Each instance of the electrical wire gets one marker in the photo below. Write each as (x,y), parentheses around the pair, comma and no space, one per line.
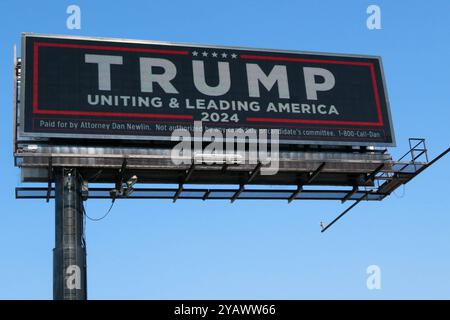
(94,177)
(102,217)
(83,236)
(403,193)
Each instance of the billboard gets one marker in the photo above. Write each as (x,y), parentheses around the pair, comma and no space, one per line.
(78,87)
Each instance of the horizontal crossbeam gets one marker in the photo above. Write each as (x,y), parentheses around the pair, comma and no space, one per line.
(206,194)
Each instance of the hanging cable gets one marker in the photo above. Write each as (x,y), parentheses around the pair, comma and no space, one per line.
(94,177)
(83,236)
(403,192)
(102,217)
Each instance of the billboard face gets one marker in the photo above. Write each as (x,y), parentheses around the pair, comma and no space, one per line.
(124,89)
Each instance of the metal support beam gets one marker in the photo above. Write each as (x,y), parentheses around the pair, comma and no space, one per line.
(430,163)
(177,194)
(295,193)
(314,174)
(310,178)
(50,179)
(206,195)
(69,254)
(251,176)
(255,172)
(350,194)
(372,175)
(188,173)
(238,193)
(183,181)
(343,213)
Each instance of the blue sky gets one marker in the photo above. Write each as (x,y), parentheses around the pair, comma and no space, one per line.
(251,250)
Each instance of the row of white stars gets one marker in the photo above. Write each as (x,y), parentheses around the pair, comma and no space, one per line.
(214,54)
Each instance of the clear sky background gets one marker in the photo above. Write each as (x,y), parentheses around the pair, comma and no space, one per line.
(251,250)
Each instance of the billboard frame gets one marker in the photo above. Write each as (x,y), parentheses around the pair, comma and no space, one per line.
(36,136)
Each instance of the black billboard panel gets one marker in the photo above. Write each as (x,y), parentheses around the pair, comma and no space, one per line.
(124,89)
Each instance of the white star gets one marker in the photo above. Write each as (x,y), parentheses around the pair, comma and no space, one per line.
(234,55)
(194,53)
(214,54)
(204,53)
(224,55)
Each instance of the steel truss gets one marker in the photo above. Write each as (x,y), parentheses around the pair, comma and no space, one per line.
(306,175)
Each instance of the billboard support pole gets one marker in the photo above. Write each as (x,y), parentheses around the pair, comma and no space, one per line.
(69,255)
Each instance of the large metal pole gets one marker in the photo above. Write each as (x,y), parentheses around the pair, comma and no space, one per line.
(69,255)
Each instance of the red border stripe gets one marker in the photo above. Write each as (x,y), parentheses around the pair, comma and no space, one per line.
(375,90)
(357,123)
(36,110)
(353,63)
(116,114)
(111,48)
(35,76)
(179,52)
